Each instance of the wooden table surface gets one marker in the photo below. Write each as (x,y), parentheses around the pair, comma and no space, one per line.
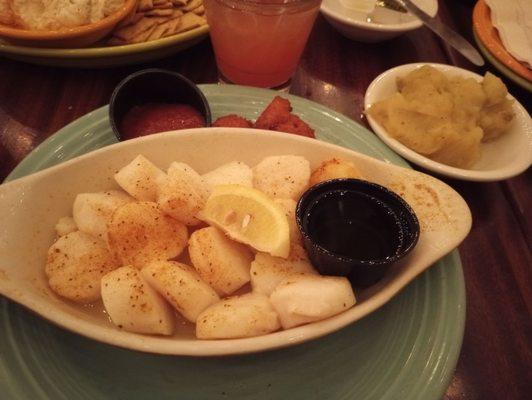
(496,357)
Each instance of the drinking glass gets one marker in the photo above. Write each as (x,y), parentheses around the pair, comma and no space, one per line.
(259,42)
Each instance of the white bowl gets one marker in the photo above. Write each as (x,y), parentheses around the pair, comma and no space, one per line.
(500,159)
(33,204)
(385,24)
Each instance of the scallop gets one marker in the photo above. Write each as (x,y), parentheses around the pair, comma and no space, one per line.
(92,211)
(300,299)
(268,271)
(181,286)
(284,177)
(140,179)
(140,233)
(223,263)
(233,173)
(133,305)
(76,263)
(182,193)
(238,317)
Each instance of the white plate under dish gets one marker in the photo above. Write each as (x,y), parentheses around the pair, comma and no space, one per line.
(500,159)
(33,204)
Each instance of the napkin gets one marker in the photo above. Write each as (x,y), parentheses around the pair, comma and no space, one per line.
(513,20)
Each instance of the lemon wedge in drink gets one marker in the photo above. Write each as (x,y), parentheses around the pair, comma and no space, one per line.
(249,216)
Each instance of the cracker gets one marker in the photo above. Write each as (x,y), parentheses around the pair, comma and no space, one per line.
(143,36)
(116,41)
(129,32)
(173,26)
(158,32)
(192,4)
(145,5)
(190,21)
(159,13)
(130,19)
(199,10)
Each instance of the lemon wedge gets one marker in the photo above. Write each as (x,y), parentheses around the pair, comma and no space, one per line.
(249,216)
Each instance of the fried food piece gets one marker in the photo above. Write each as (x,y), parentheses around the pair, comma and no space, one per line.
(296,126)
(333,169)
(232,121)
(276,113)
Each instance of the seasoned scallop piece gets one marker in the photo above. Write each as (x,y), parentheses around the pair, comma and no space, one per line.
(92,211)
(181,286)
(133,305)
(75,265)
(139,178)
(300,299)
(289,208)
(233,173)
(221,262)
(268,271)
(65,225)
(284,177)
(333,169)
(140,233)
(238,317)
(182,193)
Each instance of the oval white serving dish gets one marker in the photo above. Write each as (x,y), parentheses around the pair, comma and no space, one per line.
(500,159)
(33,204)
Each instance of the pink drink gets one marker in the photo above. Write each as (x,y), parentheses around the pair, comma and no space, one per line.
(259,42)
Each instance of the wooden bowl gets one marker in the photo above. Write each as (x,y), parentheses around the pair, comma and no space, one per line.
(80,36)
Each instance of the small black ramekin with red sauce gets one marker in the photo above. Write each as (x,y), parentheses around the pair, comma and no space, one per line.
(156,100)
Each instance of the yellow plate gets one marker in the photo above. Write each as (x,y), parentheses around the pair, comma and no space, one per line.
(105,56)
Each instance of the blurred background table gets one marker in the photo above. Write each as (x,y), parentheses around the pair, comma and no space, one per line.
(496,356)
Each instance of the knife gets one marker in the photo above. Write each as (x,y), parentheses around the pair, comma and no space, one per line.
(447,34)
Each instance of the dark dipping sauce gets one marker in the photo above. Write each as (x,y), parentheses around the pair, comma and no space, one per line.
(355,228)
(159,117)
(354,225)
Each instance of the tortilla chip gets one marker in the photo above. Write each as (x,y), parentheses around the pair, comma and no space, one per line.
(179,3)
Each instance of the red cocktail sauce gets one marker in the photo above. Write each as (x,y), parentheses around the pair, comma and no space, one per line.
(159,117)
